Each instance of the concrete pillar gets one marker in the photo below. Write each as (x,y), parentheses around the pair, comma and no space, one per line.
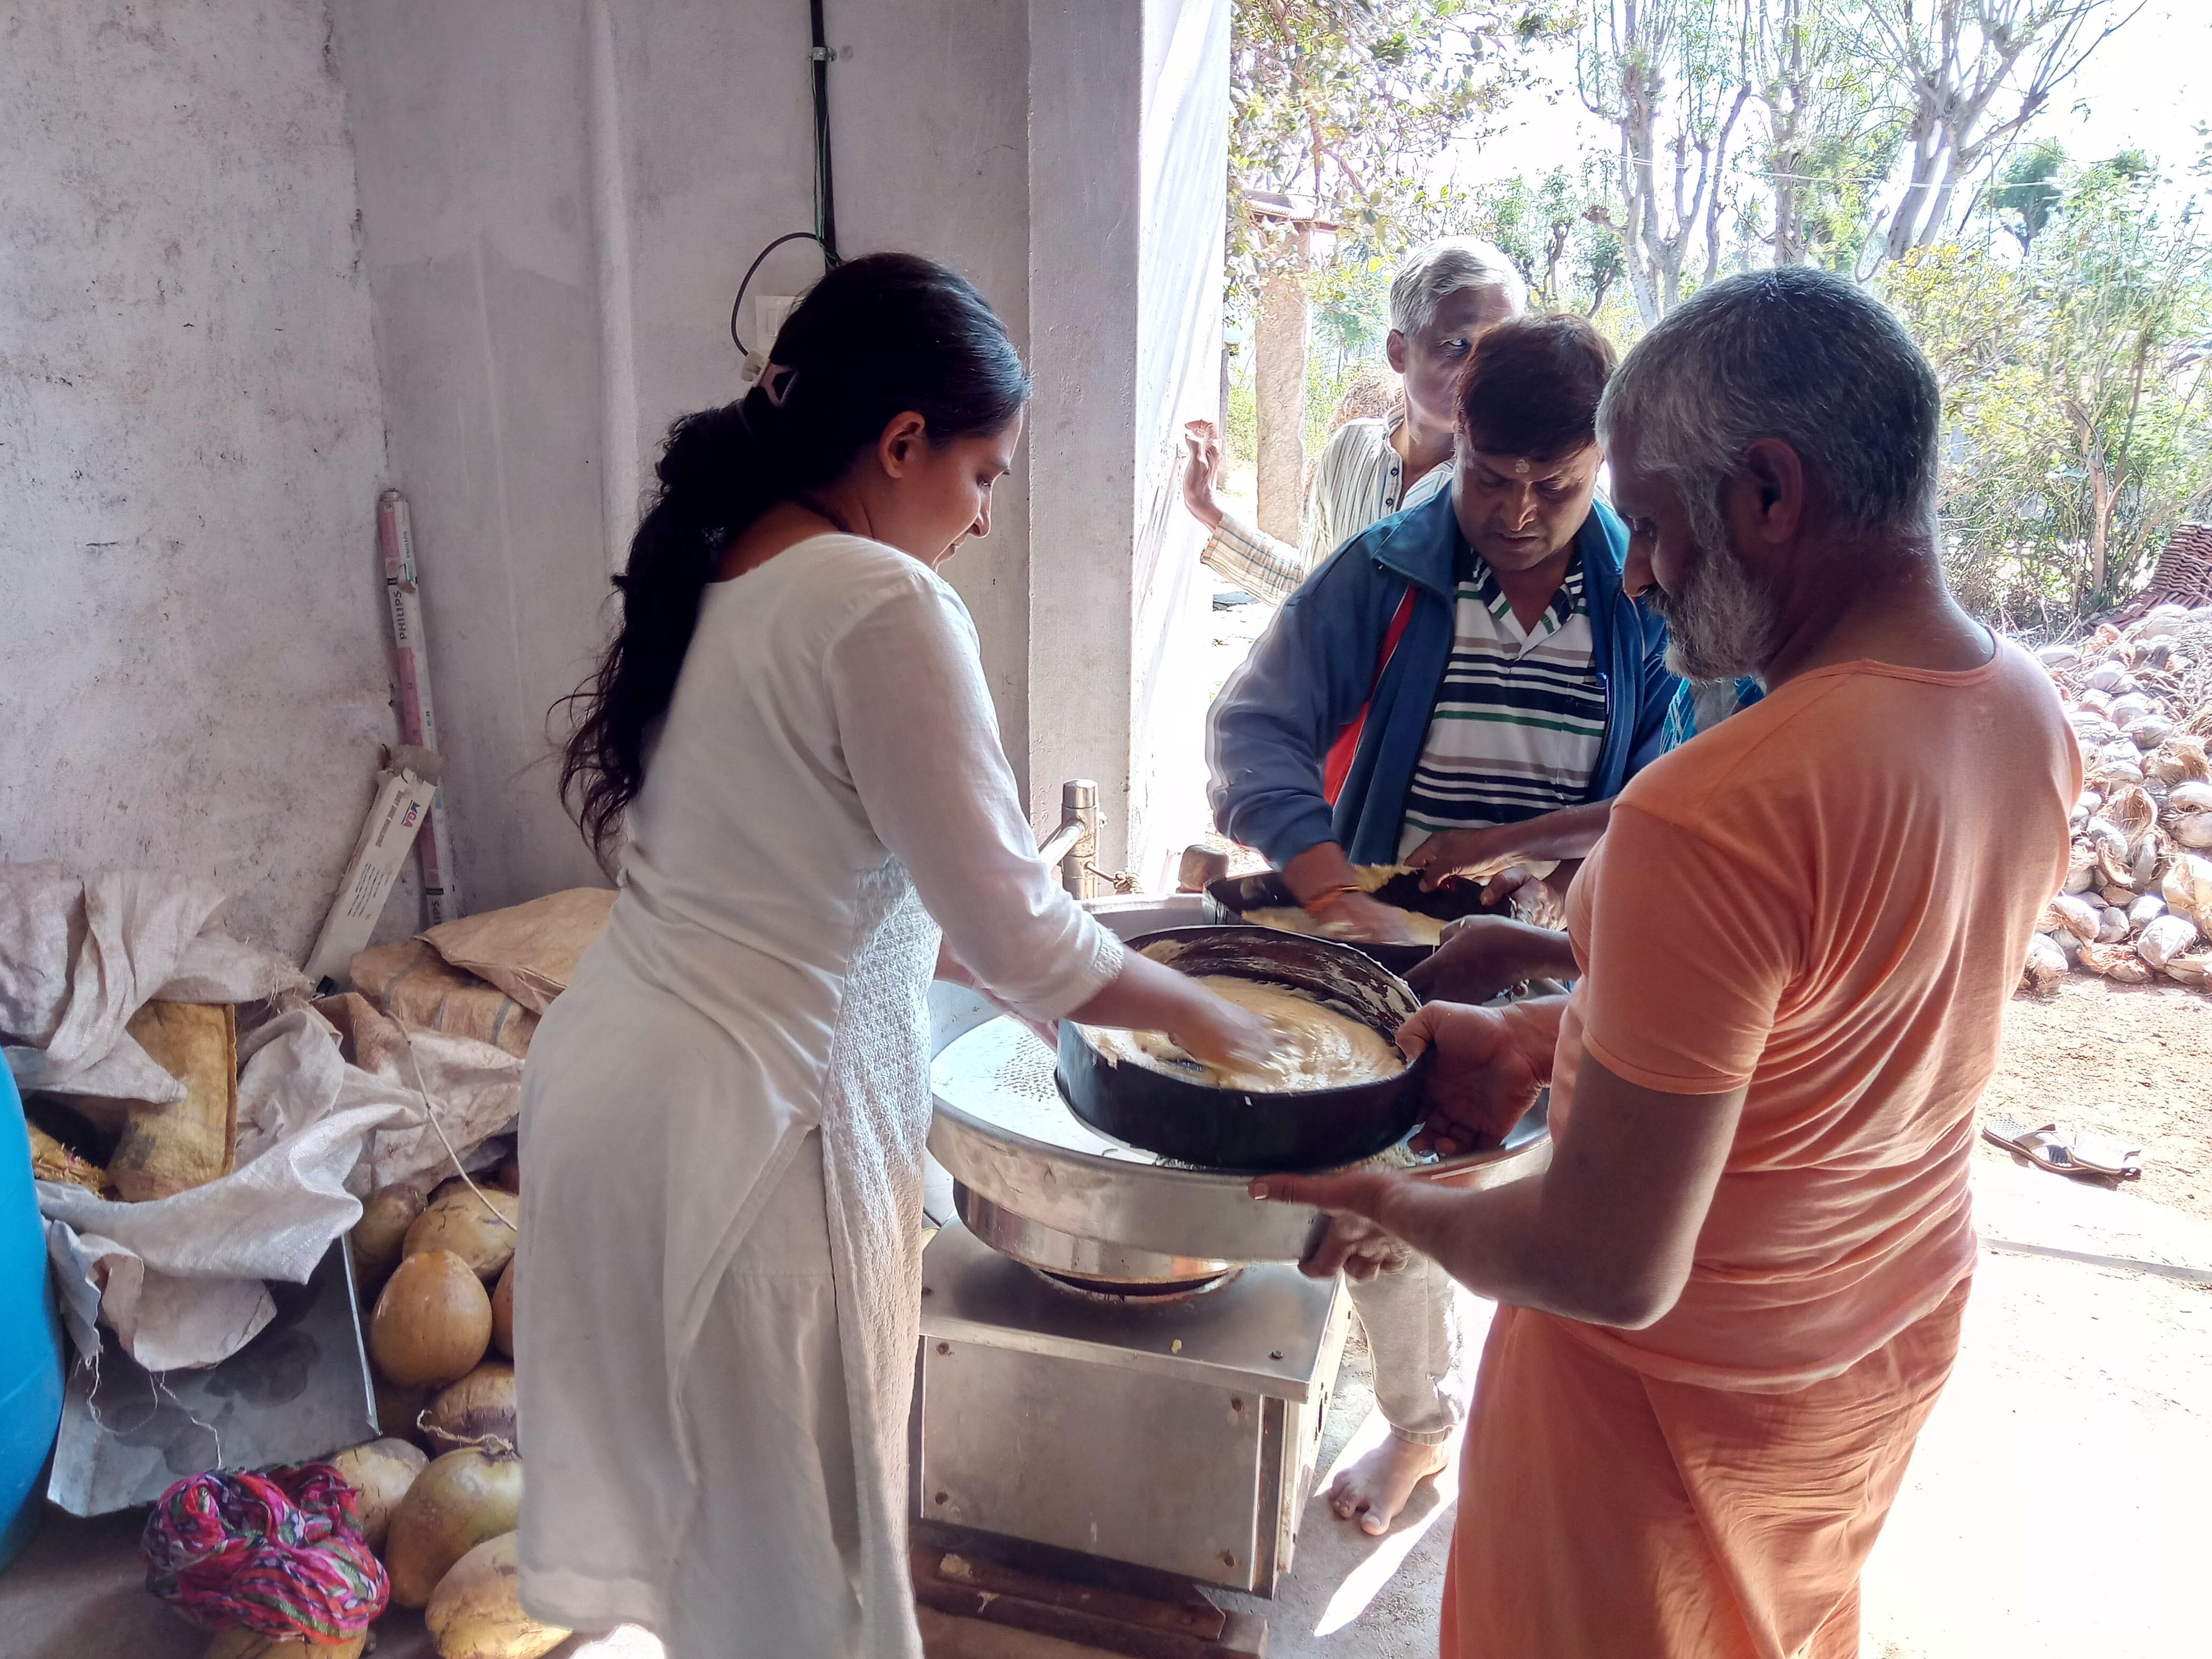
(1279,374)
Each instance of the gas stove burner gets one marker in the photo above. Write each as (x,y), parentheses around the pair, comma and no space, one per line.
(1124,1293)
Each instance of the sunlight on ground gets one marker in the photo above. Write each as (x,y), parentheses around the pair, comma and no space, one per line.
(1365,1581)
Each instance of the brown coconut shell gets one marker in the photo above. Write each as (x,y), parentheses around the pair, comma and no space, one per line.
(397,1409)
(476,1612)
(432,1323)
(477,1411)
(461,1499)
(379,1237)
(379,1472)
(502,1312)
(476,1224)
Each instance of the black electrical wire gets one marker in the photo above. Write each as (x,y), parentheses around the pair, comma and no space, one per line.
(824,234)
(828,260)
(825,190)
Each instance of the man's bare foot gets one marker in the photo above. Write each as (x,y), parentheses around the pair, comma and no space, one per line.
(1378,1485)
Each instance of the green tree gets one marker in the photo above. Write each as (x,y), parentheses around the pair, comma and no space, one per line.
(2075,394)
(2027,191)
(1345,105)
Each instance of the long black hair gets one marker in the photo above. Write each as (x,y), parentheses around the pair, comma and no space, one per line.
(877,336)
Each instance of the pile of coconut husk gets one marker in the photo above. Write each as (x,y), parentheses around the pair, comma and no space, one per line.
(2138,903)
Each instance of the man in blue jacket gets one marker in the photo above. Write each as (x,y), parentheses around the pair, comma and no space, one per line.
(1470,661)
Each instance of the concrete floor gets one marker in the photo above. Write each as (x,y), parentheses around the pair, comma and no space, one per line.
(2055,1509)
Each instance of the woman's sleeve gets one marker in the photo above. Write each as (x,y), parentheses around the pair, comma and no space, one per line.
(922,746)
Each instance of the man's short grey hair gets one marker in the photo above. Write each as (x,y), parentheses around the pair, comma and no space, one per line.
(1793,354)
(1446,265)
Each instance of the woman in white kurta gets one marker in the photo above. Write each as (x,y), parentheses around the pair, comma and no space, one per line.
(723,1116)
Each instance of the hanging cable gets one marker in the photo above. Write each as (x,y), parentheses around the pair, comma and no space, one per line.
(824,234)
(825,184)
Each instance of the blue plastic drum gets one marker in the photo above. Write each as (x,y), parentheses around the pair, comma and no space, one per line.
(30,1335)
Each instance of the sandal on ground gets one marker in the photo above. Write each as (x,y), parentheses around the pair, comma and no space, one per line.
(2045,1147)
(2102,1155)
(2066,1151)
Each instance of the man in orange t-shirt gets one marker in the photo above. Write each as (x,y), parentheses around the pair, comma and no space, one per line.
(1733,1298)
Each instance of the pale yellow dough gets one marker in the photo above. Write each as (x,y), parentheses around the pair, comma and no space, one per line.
(1289,919)
(1320,1048)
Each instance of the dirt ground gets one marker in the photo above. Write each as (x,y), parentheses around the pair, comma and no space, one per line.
(2129,1060)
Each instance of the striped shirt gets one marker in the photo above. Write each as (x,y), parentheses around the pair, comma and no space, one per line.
(1520,717)
(1360,478)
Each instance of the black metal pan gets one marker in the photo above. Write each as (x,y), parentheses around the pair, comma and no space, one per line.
(1229,898)
(1218,1128)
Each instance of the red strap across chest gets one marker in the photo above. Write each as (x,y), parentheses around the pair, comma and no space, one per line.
(1338,766)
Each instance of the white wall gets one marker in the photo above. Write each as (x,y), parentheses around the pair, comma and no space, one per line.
(558,202)
(1129,131)
(193,651)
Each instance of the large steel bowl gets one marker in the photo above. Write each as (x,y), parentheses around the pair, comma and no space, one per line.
(1058,1188)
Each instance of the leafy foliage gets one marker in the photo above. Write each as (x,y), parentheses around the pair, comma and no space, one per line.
(1343,104)
(2080,426)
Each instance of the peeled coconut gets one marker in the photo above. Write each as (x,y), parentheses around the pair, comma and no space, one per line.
(432,1322)
(477,1612)
(243,1643)
(477,1411)
(461,1499)
(502,1312)
(380,1472)
(379,1237)
(476,1224)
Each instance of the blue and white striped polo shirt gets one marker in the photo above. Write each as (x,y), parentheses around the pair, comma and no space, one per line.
(1519,718)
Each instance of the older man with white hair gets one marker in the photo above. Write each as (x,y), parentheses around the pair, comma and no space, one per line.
(1731,1301)
(1445,293)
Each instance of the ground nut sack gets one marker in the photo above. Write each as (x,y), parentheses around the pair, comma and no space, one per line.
(529,951)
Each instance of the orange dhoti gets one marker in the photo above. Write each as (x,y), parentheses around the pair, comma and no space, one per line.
(1606,1513)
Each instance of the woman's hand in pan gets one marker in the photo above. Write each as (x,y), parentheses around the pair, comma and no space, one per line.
(1218,1032)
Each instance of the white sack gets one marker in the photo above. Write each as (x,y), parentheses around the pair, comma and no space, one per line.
(180,1278)
(77,958)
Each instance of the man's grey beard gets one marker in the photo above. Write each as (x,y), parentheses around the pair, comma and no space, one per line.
(1723,624)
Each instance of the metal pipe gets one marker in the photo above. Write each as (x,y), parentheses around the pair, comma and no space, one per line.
(1075,844)
(1061,841)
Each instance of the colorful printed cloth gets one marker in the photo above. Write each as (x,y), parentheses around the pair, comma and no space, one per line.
(279,1552)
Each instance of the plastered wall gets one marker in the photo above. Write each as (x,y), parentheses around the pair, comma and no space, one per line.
(558,200)
(265,257)
(193,653)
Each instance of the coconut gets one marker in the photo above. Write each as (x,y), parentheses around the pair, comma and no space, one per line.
(2165,939)
(244,1643)
(461,1499)
(2112,925)
(378,1235)
(2194,969)
(2046,962)
(2186,888)
(477,1611)
(2117,962)
(2181,760)
(476,1224)
(477,1411)
(2076,915)
(379,1472)
(502,1312)
(2144,911)
(397,1408)
(432,1322)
